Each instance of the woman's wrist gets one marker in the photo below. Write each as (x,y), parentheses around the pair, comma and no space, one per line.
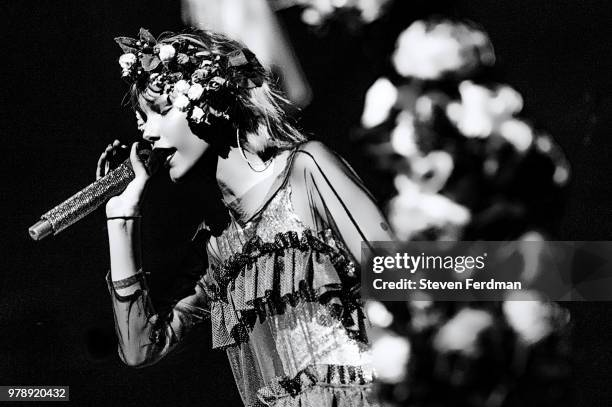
(116,208)
(133,213)
(131,217)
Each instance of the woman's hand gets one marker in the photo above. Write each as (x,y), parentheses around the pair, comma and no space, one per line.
(128,202)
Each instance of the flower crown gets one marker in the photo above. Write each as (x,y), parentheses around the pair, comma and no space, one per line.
(204,83)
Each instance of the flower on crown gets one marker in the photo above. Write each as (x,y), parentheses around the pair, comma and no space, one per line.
(201,82)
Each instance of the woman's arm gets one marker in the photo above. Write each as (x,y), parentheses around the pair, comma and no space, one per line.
(144,336)
(337,198)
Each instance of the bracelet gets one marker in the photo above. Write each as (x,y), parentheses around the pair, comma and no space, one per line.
(124,217)
(126,282)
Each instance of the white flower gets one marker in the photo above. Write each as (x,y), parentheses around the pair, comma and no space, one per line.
(532,320)
(378,314)
(181,102)
(460,333)
(428,50)
(425,55)
(127,60)
(166,52)
(517,133)
(507,101)
(312,16)
(197,114)
(390,355)
(472,116)
(403,136)
(371,9)
(412,211)
(433,170)
(195,91)
(379,100)
(181,86)
(481,110)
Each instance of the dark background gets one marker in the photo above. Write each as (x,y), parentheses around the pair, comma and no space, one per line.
(62,97)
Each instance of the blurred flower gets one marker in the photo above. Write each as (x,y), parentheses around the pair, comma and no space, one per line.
(378,314)
(544,144)
(433,170)
(518,133)
(317,12)
(371,10)
(561,175)
(460,333)
(379,100)
(311,16)
(482,110)
(429,50)
(531,320)
(413,211)
(403,135)
(506,101)
(390,355)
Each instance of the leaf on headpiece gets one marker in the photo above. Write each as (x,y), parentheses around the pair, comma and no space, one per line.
(237,58)
(249,73)
(149,62)
(127,44)
(145,35)
(246,82)
(252,58)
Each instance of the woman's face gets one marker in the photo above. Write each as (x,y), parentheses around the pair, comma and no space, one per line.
(166,127)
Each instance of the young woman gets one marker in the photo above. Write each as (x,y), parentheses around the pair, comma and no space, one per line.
(282,286)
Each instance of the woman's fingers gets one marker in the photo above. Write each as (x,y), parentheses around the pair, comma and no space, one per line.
(109,158)
(137,164)
(99,166)
(108,152)
(118,154)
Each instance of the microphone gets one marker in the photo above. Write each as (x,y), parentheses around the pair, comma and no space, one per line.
(96,194)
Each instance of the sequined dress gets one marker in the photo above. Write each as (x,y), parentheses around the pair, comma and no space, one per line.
(281,292)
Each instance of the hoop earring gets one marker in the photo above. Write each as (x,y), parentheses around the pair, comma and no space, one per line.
(244,157)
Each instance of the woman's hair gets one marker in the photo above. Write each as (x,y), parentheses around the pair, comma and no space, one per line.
(256,113)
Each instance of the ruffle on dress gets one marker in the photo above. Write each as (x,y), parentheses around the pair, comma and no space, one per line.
(266,277)
(321,385)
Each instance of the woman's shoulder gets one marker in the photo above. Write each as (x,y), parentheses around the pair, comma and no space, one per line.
(313,147)
(314,156)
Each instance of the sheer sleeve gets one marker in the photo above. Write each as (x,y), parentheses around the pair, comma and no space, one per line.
(144,335)
(331,195)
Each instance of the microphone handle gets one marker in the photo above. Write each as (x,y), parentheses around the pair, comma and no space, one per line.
(83,202)
(96,194)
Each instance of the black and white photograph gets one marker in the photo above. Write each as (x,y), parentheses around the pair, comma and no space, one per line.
(307,203)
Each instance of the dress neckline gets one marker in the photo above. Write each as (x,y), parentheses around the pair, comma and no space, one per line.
(235,206)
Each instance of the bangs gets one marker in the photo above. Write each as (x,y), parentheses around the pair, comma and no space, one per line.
(140,100)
